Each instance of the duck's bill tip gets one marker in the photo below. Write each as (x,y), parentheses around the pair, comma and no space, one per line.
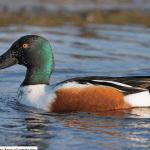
(6,60)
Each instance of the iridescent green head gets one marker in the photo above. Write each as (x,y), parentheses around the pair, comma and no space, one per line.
(33,52)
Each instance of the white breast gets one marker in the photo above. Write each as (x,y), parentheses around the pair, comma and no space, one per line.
(39,96)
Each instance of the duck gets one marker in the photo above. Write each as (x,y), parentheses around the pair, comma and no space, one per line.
(78,94)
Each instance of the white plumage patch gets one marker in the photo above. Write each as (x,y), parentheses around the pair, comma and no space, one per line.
(39,96)
(141,99)
(75,85)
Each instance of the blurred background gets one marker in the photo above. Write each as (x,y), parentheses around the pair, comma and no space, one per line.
(57,12)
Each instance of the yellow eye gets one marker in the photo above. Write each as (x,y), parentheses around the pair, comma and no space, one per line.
(25,45)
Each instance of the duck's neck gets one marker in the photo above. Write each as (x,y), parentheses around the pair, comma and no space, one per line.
(37,76)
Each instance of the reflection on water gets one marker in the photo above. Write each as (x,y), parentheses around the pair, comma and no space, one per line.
(82,130)
(78,51)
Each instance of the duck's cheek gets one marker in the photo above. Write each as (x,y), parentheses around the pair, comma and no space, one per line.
(88,99)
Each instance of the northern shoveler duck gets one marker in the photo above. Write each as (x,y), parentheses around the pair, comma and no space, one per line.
(84,94)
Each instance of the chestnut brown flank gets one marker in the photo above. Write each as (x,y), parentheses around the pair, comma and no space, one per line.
(89,99)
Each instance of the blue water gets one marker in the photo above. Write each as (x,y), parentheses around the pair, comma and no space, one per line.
(110,50)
